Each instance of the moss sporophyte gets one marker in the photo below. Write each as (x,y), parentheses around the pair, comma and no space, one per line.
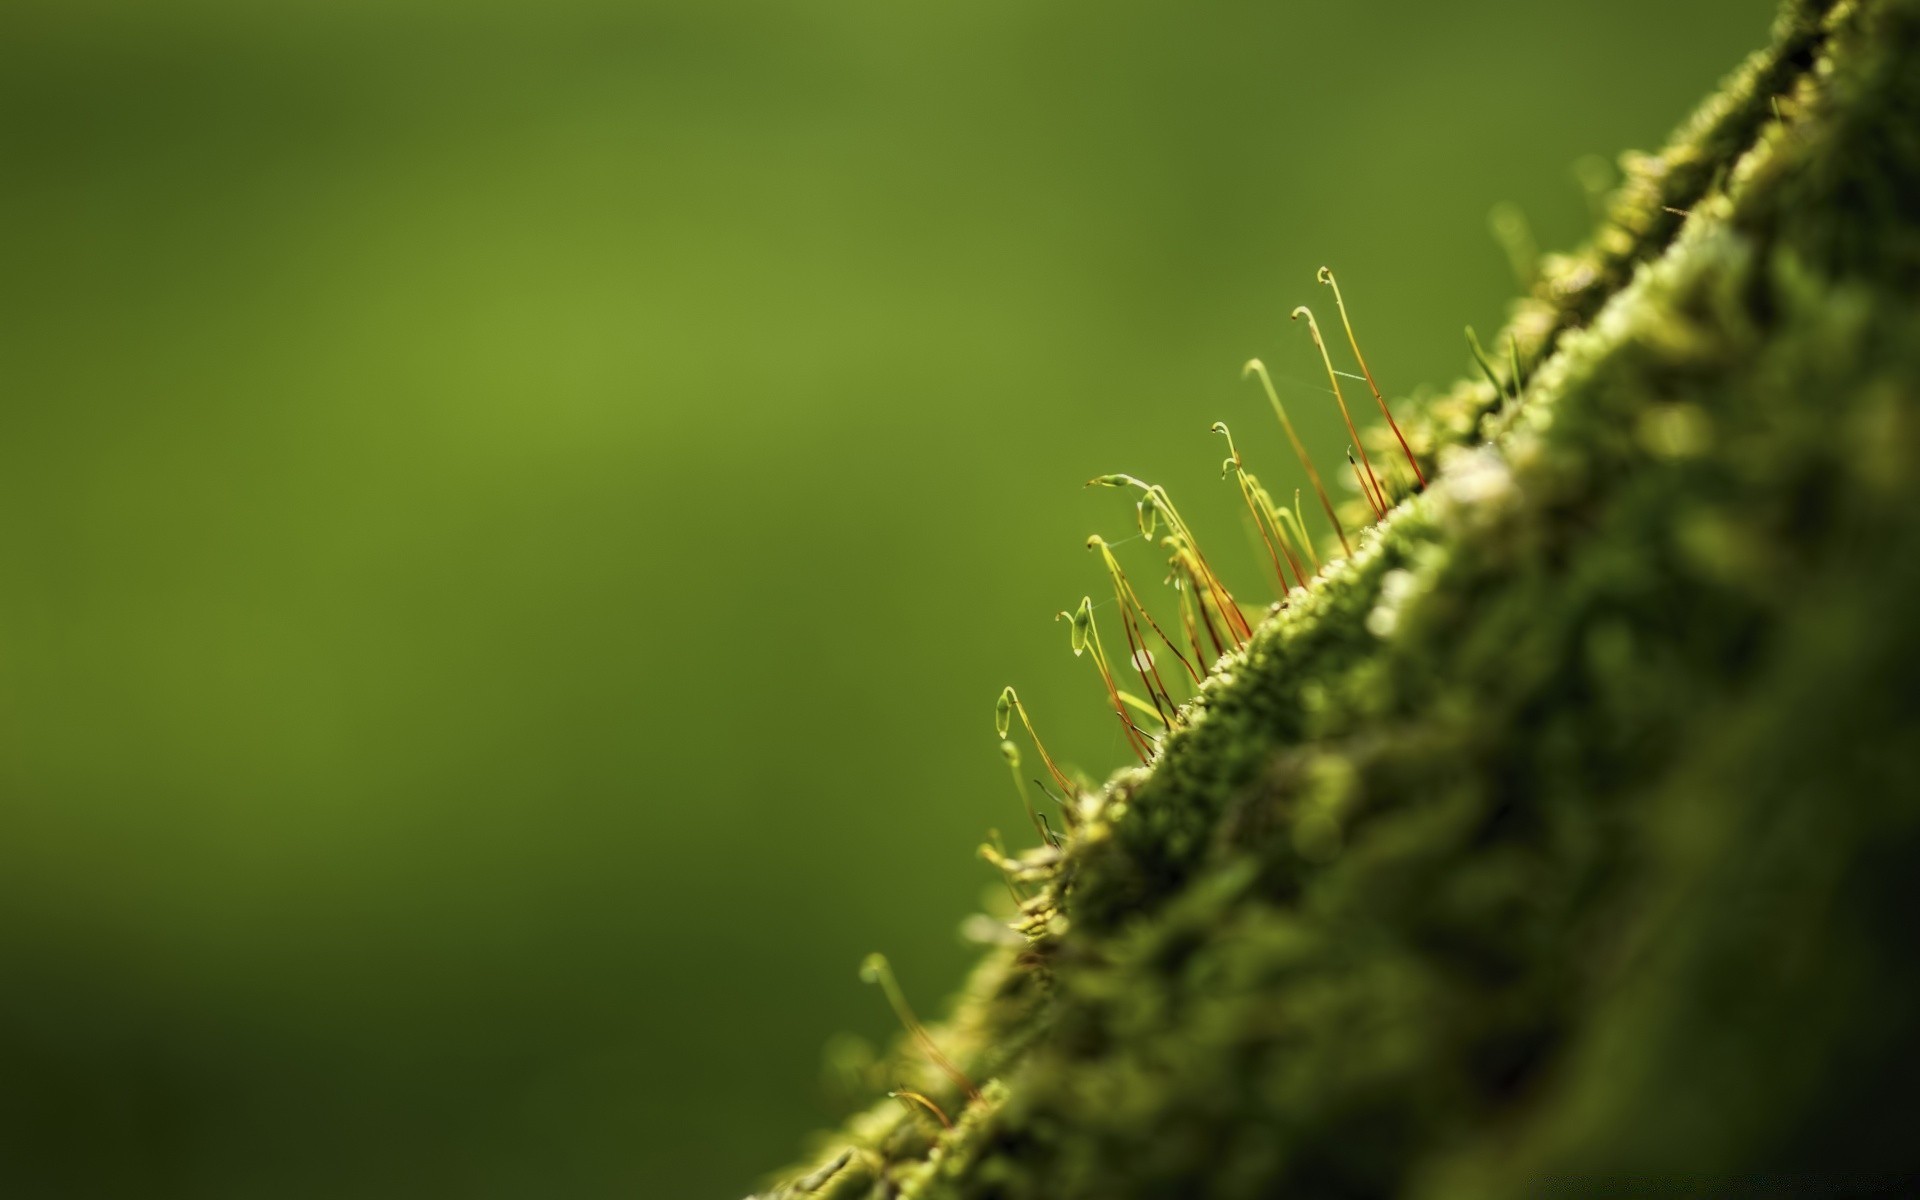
(1326,276)
(1008,707)
(1257,368)
(1085,639)
(1267,522)
(877,970)
(1383,842)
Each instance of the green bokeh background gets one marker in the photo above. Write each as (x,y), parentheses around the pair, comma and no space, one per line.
(513,516)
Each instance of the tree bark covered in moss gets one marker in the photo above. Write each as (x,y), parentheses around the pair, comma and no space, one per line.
(1568,830)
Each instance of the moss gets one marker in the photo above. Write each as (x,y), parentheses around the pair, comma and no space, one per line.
(1565,831)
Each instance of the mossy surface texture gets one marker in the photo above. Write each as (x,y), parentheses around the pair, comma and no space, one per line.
(1565,835)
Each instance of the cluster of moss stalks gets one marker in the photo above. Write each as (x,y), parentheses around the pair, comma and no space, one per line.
(1566,835)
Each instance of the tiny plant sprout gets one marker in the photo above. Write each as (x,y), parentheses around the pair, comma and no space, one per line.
(1059,798)
(1256,367)
(1369,482)
(915,1102)
(1145,511)
(1086,640)
(1004,711)
(1260,507)
(1281,518)
(1373,500)
(1080,626)
(1326,277)
(1233,466)
(1187,560)
(876,970)
(1052,837)
(1132,613)
(1486,367)
(1011,753)
(1060,802)
(1291,516)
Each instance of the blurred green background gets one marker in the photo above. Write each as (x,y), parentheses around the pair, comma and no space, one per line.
(513,516)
